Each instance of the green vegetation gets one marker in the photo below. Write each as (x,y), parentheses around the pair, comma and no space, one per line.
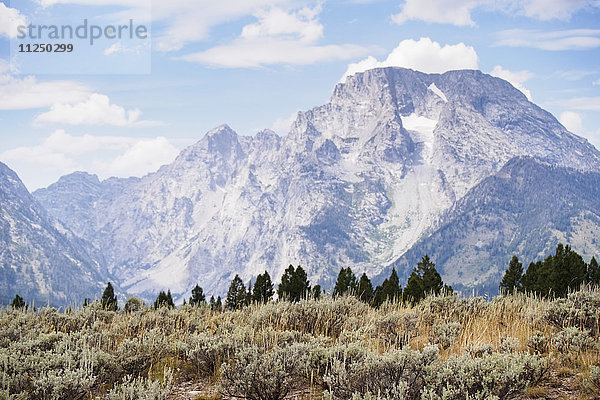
(443,347)
(423,343)
(555,276)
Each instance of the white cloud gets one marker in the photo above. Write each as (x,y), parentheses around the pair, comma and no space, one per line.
(580,103)
(459,12)
(28,92)
(282,126)
(62,153)
(10,19)
(572,121)
(95,110)
(144,156)
(573,39)
(423,55)
(179,22)
(596,82)
(516,78)
(279,37)
(555,9)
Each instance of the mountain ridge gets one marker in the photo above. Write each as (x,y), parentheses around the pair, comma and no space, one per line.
(356,182)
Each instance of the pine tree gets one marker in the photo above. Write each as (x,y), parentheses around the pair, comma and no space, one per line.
(432,281)
(346,283)
(389,290)
(236,295)
(364,289)
(392,290)
(109,300)
(557,274)
(219,304)
(211,303)
(18,303)
(316,292)
(511,282)
(164,300)
(197,296)
(263,289)
(414,291)
(594,272)
(294,284)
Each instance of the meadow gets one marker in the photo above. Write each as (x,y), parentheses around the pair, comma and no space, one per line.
(516,346)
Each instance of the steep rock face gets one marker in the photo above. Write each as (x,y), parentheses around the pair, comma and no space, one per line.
(355,183)
(39,259)
(526,209)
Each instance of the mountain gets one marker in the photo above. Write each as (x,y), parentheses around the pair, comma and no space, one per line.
(356,182)
(525,209)
(40,259)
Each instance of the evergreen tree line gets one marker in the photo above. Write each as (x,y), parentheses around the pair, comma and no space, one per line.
(295,286)
(423,281)
(555,276)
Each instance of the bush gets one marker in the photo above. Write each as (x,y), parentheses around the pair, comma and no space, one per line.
(496,375)
(572,341)
(141,389)
(445,334)
(207,352)
(394,374)
(271,375)
(578,309)
(592,381)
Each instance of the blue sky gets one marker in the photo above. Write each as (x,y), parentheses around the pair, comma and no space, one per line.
(124,107)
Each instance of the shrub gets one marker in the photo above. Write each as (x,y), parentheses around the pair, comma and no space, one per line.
(572,341)
(592,381)
(141,389)
(271,375)
(445,334)
(207,352)
(496,375)
(538,343)
(397,374)
(578,309)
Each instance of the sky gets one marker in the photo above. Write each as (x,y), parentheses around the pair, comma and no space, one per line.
(124,105)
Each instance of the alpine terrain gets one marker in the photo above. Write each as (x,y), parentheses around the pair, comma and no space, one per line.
(40,259)
(459,165)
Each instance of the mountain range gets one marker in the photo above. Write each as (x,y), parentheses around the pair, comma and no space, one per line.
(397,164)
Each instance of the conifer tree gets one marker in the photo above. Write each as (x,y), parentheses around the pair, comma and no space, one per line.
(236,295)
(557,274)
(294,284)
(389,290)
(211,303)
(18,303)
(414,290)
(346,283)
(364,289)
(511,282)
(197,296)
(219,304)
(432,281)
(109,300)
(263,289)
(316,292)
(594,272)
(164,300)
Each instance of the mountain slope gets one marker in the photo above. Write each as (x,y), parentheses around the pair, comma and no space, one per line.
(355,183)
(40,259)
(526,209)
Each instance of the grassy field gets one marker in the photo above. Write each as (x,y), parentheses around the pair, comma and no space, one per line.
(445,347)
